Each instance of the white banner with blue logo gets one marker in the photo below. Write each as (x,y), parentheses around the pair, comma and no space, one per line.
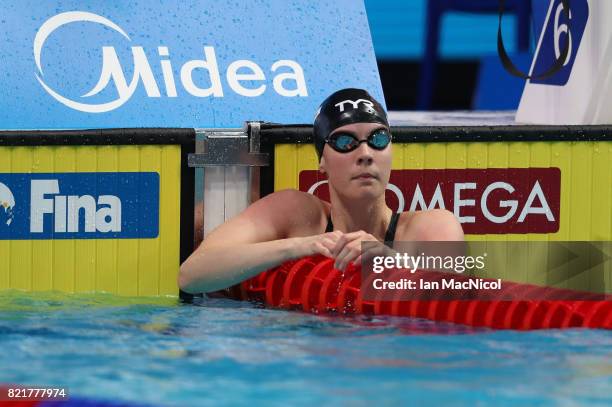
(197,63)
(581,91)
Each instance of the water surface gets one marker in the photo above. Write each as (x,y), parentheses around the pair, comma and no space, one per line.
(157,351)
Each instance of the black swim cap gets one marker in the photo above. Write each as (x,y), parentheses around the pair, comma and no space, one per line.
(344,107)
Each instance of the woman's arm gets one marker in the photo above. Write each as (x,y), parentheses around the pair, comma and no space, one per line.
(255,240)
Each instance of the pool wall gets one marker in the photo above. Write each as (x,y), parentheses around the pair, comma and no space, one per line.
(549,184)
(141,255)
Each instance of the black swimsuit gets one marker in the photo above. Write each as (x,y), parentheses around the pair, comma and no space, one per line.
(389,235)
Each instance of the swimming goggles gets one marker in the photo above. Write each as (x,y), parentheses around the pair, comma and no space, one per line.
(346,142)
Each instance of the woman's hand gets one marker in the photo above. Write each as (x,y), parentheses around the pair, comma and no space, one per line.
(318,244)
(348,248)
(343,247)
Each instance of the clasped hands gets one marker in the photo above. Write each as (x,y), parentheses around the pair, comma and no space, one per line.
(346,248)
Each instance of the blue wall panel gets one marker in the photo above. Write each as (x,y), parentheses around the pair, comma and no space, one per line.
(398,31)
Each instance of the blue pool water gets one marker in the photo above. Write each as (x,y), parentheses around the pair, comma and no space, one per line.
(156,351)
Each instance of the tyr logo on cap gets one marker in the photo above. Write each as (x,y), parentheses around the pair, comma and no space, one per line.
(355,103)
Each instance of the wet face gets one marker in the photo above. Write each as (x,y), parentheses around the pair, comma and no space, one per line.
(359,174)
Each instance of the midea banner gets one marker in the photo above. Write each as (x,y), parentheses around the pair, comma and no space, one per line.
(198,63)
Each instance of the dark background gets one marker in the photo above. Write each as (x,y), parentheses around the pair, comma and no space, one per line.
(453,89)
(400,29)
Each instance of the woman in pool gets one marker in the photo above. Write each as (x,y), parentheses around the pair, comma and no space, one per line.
(353,142)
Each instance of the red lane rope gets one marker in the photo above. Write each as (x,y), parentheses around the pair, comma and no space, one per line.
(313,285)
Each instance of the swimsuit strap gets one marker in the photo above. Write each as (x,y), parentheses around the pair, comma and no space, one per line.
(330,225)
(389,235)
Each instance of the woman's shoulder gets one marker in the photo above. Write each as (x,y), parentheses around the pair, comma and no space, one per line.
(291,197)
(430,225)
(302,213)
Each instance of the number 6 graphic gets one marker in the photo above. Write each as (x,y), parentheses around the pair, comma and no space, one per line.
(560,29)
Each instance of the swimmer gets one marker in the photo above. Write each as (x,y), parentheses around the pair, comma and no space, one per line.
(353,141)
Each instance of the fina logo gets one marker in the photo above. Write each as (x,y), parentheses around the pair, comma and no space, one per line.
(111,69)
(7,205)
(66,209)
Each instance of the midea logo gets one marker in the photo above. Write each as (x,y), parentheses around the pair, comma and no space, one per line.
(292,75)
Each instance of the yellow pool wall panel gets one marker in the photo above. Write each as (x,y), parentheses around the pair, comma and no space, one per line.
(586,176)
(131,267)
